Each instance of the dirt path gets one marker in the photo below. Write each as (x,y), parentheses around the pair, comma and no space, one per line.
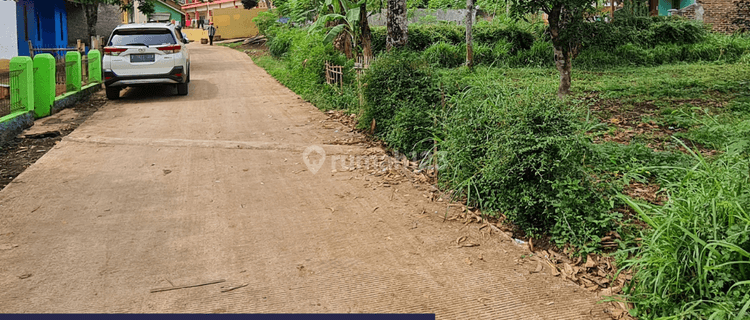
(158,190)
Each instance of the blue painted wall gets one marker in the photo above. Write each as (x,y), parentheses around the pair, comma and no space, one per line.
(43,22)
(666,5)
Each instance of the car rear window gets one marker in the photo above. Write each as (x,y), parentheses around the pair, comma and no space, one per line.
(139,37)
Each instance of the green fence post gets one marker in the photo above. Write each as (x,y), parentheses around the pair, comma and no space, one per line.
(95,66)
(24,94)
(73,71)
(44,84)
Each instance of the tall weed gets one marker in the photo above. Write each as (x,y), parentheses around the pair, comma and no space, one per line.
(694,261)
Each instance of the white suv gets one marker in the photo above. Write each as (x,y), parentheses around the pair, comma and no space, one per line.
(144,55)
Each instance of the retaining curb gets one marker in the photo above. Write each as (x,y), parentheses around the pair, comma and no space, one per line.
(15,125)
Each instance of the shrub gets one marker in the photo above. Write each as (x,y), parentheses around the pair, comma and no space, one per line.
(677,31)
(445,55)
(668,53)
(518,152)
(535,175)
(634,55)
(378,38)
(265,21)
(301,68)
(502,50)
(540,54)
(490,32)
(280,44)
(423,36)
(400,80)
(483,54)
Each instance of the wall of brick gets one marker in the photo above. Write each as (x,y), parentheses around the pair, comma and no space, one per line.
(109,17)
(720,14)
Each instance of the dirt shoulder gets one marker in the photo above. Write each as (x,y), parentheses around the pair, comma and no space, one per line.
(47,132)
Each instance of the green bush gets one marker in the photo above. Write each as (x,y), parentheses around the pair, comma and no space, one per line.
(445,55)
(634,55)
(265,21)
(677,31)
(491,32)
(301,68)
(400,95)
(502,50)
(515,151)
(483,54)
(422,36)
(280,44)
(535,175)
(540,54)
(645,31)
(378,38)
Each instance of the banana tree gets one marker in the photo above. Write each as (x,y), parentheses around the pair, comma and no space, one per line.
(349,26)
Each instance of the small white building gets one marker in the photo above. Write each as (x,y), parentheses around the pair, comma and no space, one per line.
(8,29)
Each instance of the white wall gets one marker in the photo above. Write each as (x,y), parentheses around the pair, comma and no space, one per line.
(8,33)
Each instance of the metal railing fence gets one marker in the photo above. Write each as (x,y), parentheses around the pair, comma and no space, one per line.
(9,86)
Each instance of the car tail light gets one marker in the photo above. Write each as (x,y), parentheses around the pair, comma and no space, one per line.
(170,49)
(109,51)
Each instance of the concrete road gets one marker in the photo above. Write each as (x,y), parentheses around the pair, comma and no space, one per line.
(158,190)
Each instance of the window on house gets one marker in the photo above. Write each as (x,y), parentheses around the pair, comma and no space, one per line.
(62,29)
(38,28)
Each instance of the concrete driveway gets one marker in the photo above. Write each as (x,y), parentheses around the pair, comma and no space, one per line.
(161,191)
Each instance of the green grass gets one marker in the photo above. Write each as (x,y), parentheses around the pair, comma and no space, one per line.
(233,45)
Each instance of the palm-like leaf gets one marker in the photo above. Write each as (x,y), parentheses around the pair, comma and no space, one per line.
(335,31)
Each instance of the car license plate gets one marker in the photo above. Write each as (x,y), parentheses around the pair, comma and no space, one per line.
(142,57)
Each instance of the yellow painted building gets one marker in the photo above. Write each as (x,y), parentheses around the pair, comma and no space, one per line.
(230,23)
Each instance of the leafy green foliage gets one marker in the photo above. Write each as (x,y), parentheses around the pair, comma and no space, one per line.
(298,11)
(279,45)
(540,54)
(249,4)
(490,32)
(265,21)
(401,95)
(507,146)
(347,15)
(422,36)
(301,68)
(445,55)
(647,32)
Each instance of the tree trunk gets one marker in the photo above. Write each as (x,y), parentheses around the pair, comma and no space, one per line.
(564,63)
(364,29)
(396,24)
(91,11)
(343,43)
(469,42)
(563,54)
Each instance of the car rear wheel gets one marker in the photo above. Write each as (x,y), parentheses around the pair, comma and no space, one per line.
(182,89)
(113,93)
